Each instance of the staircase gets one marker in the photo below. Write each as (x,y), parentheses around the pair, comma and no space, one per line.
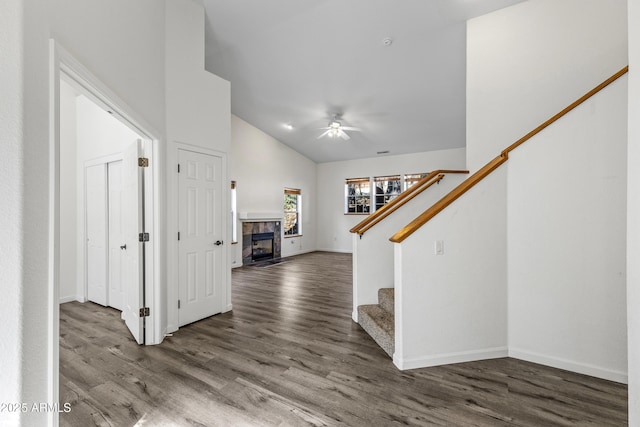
(379,320)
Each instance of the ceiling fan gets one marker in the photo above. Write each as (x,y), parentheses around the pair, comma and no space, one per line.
(335,130)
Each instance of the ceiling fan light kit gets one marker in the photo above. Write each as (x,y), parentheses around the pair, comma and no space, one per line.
(335,130)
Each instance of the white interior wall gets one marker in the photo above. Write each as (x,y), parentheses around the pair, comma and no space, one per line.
(12,195)
(331,178)
(198,116)
(531,60)
(68,195)
(122,43)
(262,168)
(633,213)
(27,291)
(454,305)
(198,106)
(566,238)
(528,62)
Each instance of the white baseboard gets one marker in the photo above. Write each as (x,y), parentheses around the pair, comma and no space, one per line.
(569,365)
(228,308)
(449,358)
(72,298)
(305,251)
(354,315)
(338,251)
(68,299)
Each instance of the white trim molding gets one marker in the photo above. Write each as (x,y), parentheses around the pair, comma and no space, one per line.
(449,358)
(569,365)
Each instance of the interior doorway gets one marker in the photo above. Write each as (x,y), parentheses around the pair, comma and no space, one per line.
(105,186)
(147,224)
(100,144)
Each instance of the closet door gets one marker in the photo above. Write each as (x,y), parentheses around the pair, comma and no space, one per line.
(116,237)
(96,233)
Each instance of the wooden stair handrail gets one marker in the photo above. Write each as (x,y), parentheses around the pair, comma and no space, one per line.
(403,198)
(562,113)
(422,181)
(393,208)
(467,184)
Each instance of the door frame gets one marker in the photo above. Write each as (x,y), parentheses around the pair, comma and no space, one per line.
(173,292)
(63,64)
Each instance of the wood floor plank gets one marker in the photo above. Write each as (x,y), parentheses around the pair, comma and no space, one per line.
(290,355)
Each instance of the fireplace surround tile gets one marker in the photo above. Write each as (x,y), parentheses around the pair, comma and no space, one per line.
(258,227)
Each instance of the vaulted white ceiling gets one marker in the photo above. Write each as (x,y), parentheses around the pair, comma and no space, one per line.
(298,62)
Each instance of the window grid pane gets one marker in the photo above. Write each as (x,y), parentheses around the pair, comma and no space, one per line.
(358,195)
(411,179)
(387,189)
(292,199)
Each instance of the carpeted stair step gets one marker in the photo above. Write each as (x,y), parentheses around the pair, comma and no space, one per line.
(386,299)
(378,323)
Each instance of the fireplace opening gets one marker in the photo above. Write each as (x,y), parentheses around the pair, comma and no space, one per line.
(262,246)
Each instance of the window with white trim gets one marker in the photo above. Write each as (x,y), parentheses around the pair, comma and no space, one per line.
(367,194)
(292,212)
(357,192)
(234,214)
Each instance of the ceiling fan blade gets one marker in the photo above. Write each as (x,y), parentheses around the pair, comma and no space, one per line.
(350,128)
(325,133)
(343,135)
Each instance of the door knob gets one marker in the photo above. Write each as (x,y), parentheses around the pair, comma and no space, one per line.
(218,243)
(124,247)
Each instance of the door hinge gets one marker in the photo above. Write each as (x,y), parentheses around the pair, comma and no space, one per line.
(143,162)
(178,235)
(143,237)
(178,304)
(144,312)
(178,167)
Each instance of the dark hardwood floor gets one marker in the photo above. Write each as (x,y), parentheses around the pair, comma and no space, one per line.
(290,355)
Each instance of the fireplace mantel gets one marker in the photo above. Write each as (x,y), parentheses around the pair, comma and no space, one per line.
(260,216)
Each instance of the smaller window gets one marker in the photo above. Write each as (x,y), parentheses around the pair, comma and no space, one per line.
(357,193)
(411,179)
(387,188)
(234,214)
(292,212)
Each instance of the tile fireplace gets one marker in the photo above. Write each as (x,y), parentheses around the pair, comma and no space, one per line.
(261,240)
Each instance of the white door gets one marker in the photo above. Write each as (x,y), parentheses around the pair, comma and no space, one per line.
(132,225)
(116,235)
(96,233)
(200,219)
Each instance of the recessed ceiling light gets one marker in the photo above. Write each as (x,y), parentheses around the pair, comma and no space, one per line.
(288,126)
(387,41)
